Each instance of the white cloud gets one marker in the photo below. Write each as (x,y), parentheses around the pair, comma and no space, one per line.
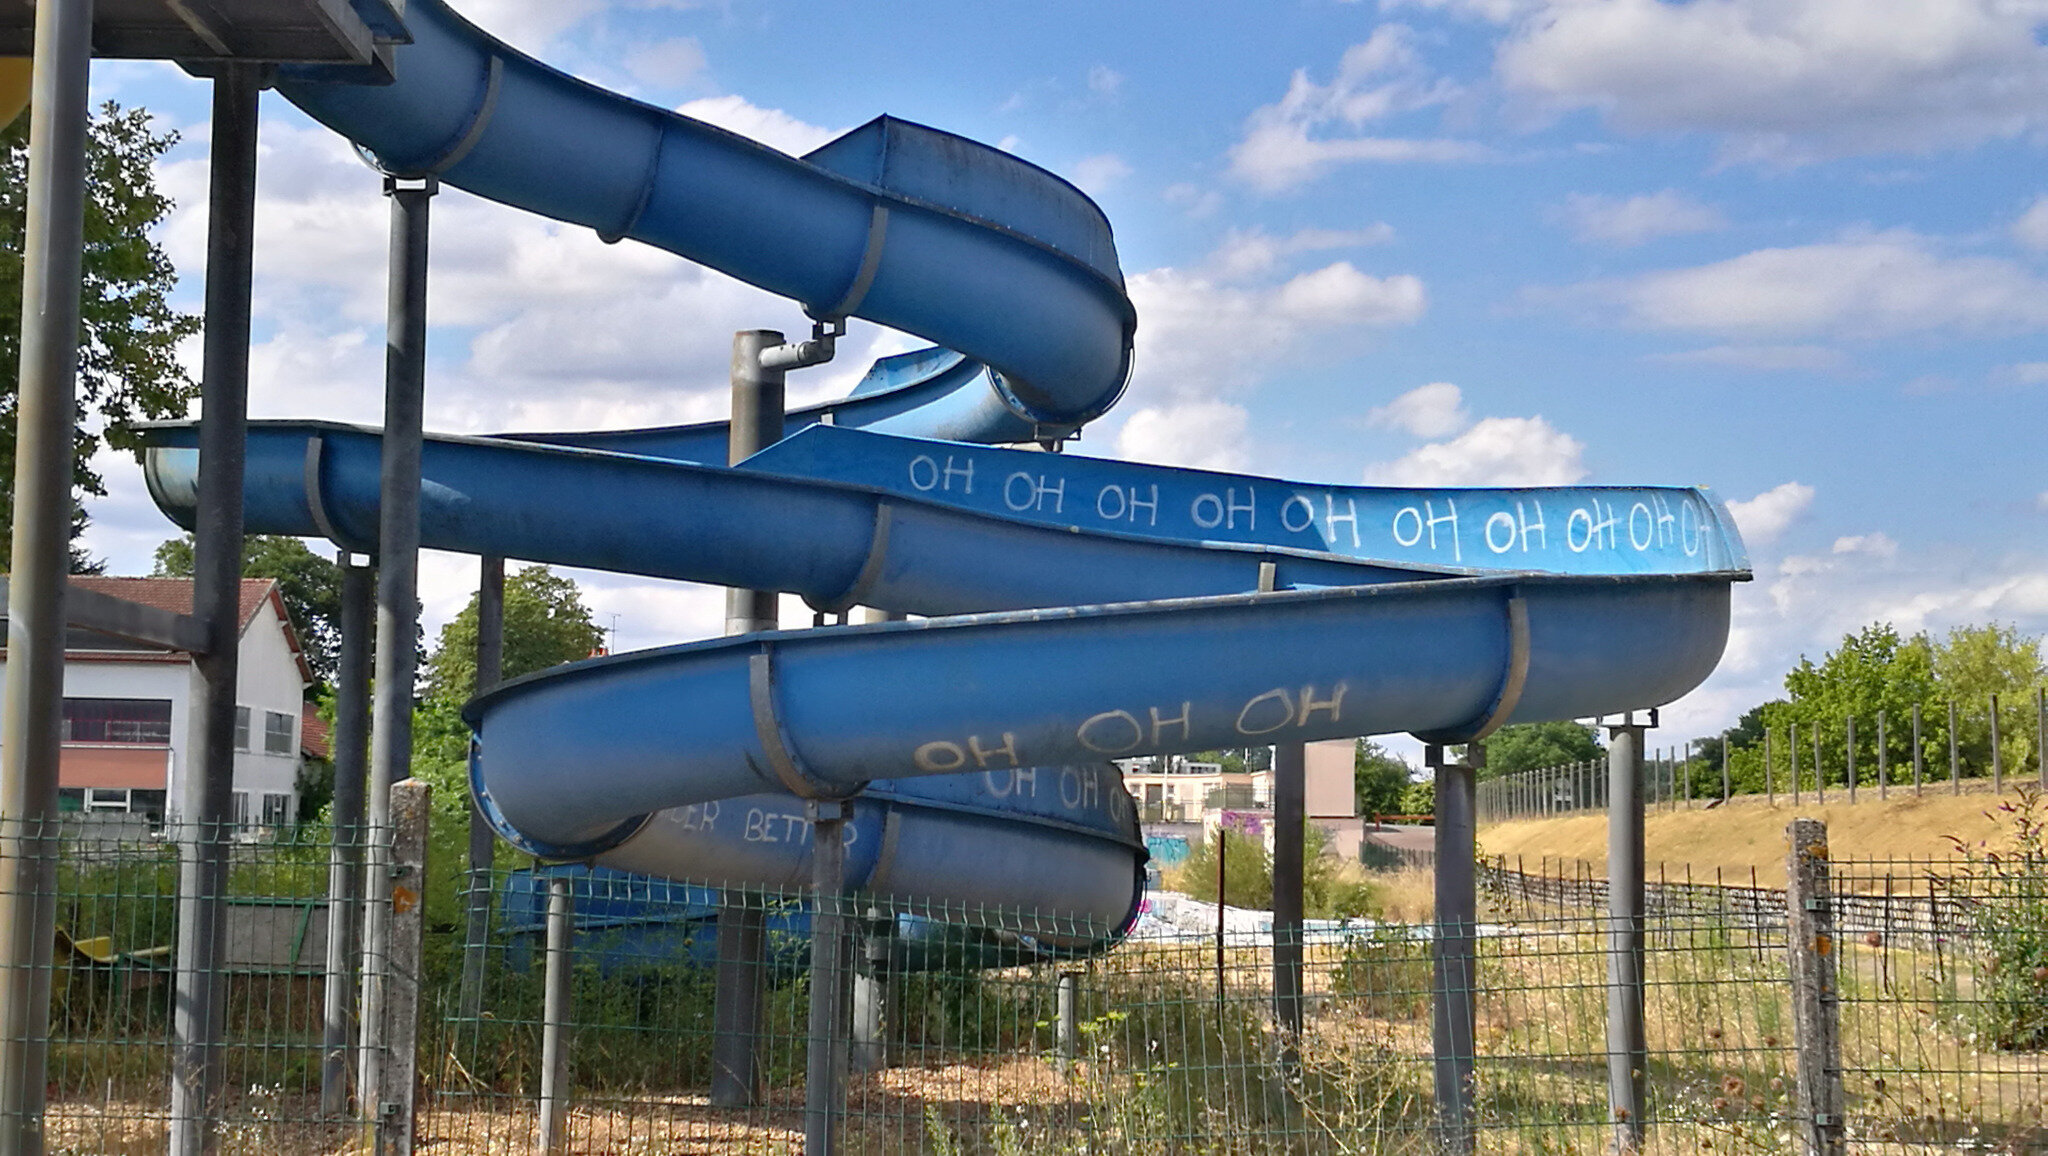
(1430,411)
(1630,221)
(670,63)
(2031,229)
(1763,518)
(1209,435)
(1100,172)
(1498,451)
(2026,373)
(1316,127)
(1773,358)
(528,26)
(1871,285)
(2041,500)
(771,126)
(1248,252)
(1876,544)
(1203,336)
(1104,80)
(1786,81)
(1193,201)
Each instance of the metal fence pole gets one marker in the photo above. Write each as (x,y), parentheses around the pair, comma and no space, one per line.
(345,861)
(398,547)
(1816,1024)
(205,793)
(1627,1047)
(1849,756)
(2041,734)
(825,1059)
(736,1073)
(1884,763)
(1955,762)
(1820,775)
(1453,946)
(1919,759)
(1770,786)
(557,1006)
(405,896)
(483,844)
(1290,817)
(51,249)
(1726,787)
(1792,758)
(1997,753)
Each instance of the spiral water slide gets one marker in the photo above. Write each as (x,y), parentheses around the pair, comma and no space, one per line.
(1080,609)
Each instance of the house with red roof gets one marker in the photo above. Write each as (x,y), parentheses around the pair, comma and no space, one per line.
(130,726)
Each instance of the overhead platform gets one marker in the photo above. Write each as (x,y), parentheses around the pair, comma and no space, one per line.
(202,32)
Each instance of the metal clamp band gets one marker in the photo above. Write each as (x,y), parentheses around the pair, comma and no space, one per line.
(316,501)
(782,757)
(646,197)
(870,261)
(494,78)
(1511,683)
(870,568)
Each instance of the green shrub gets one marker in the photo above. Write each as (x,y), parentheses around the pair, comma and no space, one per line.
(2008,911)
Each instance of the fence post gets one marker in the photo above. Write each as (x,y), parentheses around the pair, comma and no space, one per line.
(2041,734)
(1919,762)
(1453,945)
(825,1058)
(1067,999)
(1770,787)
(1997,755)
(1820,774)
(1792,758)
(1849,756)
(397,1091)
(1884,764)
(1955,762)
(872,996)
(556,994)
(1816,1024)
(1725,787)
(1627,1046)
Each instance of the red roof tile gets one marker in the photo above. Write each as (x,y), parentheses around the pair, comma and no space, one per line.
(175,595)
(314,737)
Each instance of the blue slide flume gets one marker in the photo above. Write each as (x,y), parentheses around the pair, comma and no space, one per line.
(1080,609)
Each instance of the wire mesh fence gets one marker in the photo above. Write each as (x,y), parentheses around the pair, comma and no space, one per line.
(1955,748)
(982,1031)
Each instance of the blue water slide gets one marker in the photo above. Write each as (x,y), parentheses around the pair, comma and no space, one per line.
(904,225)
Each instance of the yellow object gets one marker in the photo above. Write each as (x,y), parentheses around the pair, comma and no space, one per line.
(13,88)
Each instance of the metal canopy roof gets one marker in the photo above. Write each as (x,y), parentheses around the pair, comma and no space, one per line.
(199,32)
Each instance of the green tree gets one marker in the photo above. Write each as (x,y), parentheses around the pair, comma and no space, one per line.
(1527,746)
(1382,779)
(309,584)
(1874,670)
(127,364)
(1975,662)
(546,624)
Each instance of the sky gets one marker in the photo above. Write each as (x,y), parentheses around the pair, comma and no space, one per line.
(1792,250)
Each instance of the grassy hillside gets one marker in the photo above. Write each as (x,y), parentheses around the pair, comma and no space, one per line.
(1749,833)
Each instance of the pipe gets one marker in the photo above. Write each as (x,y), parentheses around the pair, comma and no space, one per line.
(206,795)
(33,705)
(345,861)
(1627,1046)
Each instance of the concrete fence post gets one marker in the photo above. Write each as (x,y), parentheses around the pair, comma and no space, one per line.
(406,894)
(1816,1024)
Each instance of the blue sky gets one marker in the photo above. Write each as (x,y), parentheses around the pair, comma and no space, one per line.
(1795,250)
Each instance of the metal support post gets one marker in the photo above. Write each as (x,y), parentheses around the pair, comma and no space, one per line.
(45,427)
(1884,775)
(1770,786)
(398,546)
(1792,758)
(1453,946)
(555,1013)
(757,422)
(825,1061)
(345,860)
(1627,1046)
(1820,774)
(483,844)
(1816,1022)
(1725,786)
(205,792)
(1290,818)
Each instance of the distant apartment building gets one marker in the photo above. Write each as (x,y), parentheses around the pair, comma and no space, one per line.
(1191,798)
(129,723)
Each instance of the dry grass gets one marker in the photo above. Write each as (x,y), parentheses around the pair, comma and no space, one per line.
(1751,834)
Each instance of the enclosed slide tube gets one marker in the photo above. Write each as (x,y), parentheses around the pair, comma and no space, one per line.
(933,234)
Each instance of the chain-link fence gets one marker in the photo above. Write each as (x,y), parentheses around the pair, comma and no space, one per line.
(978,1031)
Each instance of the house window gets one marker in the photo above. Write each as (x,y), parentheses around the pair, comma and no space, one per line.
(241,810)
(242,728)
(277,733)
(150,803)
(118,720)
(277,809)
(106,799)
